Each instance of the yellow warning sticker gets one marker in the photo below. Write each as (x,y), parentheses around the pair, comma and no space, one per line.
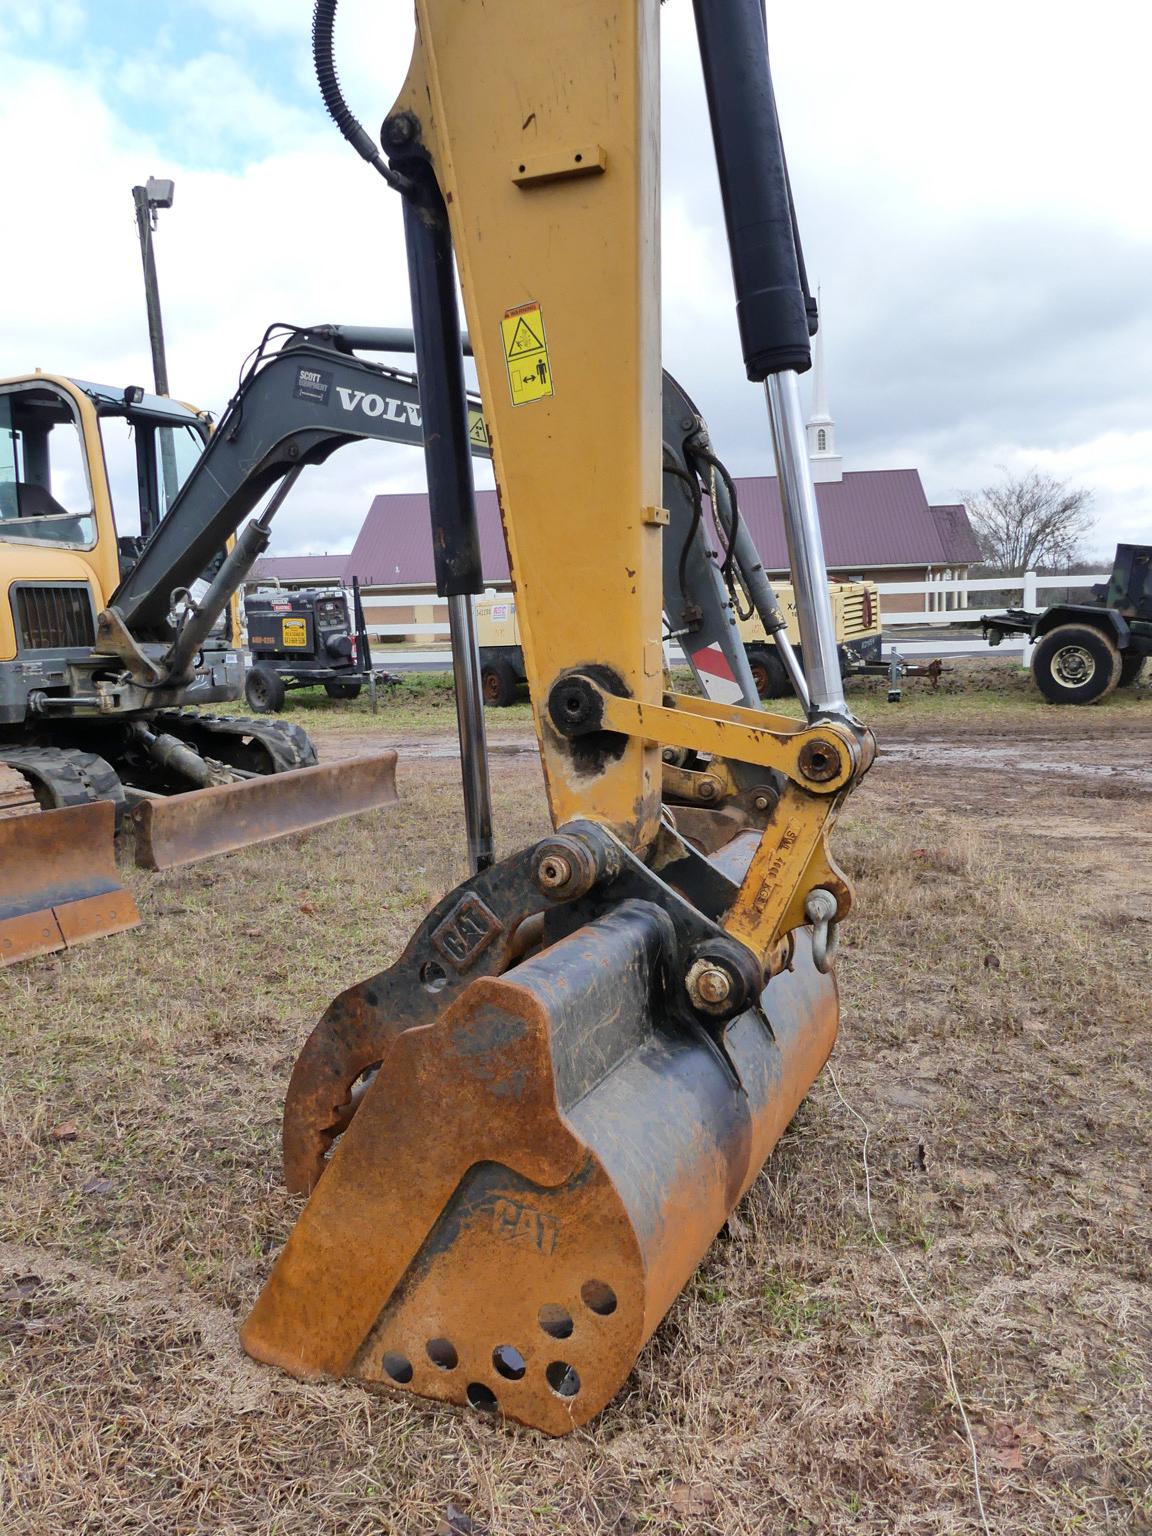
(526,353)
(294,632)
(478,430)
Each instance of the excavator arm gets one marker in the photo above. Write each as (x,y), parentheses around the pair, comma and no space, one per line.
(294,408)
(521,1138)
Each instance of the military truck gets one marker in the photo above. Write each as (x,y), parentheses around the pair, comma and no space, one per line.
(1082,652)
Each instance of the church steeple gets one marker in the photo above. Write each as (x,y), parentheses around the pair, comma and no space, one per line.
(827,464)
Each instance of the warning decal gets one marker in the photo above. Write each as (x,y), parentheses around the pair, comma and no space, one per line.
(526,353)
(294,633)
(478,430)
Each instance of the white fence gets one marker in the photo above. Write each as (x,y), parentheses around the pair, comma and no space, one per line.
(1029,585)
(946,602)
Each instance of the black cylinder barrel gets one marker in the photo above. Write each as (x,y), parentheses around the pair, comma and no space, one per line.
(443,397)
(770,300)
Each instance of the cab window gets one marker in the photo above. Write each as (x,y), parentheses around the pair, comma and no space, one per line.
(45,494)
(147,464)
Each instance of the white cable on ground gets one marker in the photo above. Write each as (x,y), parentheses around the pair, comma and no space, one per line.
(949,1366)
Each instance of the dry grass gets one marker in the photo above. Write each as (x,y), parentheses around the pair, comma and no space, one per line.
(972,695)
(995,1034)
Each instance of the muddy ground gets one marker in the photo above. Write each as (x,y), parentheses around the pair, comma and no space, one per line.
(996,1037)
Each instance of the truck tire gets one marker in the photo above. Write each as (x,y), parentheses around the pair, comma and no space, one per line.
(498,684)
(1075,664)
(264,689)
(767,672)
(1131,666)
(343,690)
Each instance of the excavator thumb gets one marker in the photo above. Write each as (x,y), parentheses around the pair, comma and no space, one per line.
(539,1162)
(58,881)
(181,829)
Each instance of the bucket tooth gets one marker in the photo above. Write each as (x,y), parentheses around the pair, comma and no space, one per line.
(531,1179)
(182,829)
(59,885)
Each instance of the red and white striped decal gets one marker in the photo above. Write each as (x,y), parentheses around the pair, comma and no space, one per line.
(716,676)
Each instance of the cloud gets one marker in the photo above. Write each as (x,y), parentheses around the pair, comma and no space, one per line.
(303,236)
(211,101)
(60,20)
(967,194)
(970,189)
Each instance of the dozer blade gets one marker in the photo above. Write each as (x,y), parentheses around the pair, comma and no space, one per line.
(58,881)
(530,1179)
(180,829)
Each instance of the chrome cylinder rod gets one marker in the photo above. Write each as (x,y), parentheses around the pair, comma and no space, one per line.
(805,547)
(473,736)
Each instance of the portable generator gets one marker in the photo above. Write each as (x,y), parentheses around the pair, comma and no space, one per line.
(304,639)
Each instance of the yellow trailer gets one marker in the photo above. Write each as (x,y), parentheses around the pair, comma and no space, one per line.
(855,610)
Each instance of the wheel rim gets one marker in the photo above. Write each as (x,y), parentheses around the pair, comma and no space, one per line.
(491,686)
(258,689)
(760,678)
(1073,666)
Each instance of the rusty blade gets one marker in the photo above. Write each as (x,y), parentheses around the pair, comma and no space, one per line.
(58,881)
(184,828)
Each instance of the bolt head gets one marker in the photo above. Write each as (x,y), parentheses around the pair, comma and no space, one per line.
(714,985)
(400,130)
(554,871)
(819,760)
(762,803)
(707,789)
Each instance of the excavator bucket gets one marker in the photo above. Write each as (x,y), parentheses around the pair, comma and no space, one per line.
(58,881)
(532,1174)
(181,829)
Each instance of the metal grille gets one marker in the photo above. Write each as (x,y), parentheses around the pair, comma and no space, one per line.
(854,611)
(54,618)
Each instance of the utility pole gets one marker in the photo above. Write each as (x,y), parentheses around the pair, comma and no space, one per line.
(148,199)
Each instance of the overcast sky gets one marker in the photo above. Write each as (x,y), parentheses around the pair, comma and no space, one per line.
(972,186)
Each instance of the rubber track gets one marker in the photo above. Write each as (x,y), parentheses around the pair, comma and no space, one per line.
(286,744)
(67,775)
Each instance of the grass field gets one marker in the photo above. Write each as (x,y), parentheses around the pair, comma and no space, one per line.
(996,1036)
(970,692)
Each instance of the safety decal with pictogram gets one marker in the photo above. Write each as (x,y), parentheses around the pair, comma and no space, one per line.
(526,353)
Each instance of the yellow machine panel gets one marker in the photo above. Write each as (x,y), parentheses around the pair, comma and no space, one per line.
(855,611)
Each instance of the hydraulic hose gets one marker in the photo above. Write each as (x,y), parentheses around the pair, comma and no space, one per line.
(324,60)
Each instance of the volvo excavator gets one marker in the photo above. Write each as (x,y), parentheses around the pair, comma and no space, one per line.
(519,1140)
(112,646)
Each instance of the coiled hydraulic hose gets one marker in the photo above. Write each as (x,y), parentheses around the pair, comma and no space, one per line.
(324,60)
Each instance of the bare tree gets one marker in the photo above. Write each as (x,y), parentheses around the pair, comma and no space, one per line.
(1027,521)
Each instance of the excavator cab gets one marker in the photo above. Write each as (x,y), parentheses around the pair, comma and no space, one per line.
(520,1139)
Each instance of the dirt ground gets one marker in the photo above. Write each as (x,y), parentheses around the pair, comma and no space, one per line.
(996,1036)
